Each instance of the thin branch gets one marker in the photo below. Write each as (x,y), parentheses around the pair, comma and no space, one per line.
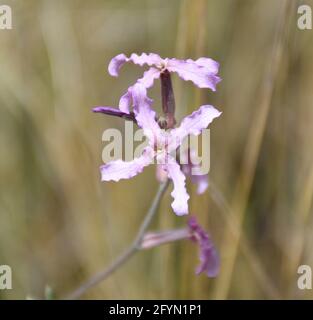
(129,252)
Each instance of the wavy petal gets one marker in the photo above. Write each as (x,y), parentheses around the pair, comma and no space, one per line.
(149,76)
(209,258)
(118,61)
(117,170)
(201,72)
(179,193)
(151,59)
(195,123)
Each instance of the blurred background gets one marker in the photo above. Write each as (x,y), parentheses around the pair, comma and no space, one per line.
(60,224)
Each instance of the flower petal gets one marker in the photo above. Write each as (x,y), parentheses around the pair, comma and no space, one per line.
(149,76)
(144,114)
(126,101)
(151,59)
(147,80)
(116,170)
(179,193)
(116,63)
(209,258)
(208,63)
(195,123)
(201,73)
(114,112)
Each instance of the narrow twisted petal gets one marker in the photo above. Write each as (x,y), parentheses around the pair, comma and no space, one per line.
(151,59)
(202,74)
(195,123)
(149,76)
(117,170)
(209,258)
(118,61)
(144,114)
(114,112)
(179,193)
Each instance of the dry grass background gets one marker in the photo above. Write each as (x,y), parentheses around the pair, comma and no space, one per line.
(60,224)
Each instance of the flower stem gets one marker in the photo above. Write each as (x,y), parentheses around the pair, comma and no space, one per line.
(128,253)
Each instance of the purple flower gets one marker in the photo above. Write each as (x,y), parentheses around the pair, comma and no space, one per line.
(161,146)
(202,72)
(209,258)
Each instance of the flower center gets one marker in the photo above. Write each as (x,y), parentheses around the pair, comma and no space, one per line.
(161,146)
(162,65)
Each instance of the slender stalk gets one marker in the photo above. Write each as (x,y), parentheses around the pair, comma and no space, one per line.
(128,253)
